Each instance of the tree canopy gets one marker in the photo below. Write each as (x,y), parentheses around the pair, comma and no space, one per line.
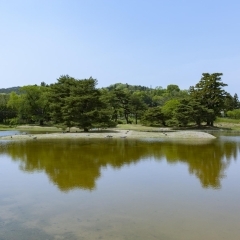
(210,93)
(78,102)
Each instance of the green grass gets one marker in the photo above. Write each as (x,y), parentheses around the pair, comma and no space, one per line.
(37,128)
(30,128)
(227,123)
(227,120)
(5,127)
(220,123)
(137,127)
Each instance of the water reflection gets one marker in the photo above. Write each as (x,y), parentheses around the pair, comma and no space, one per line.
(74,164)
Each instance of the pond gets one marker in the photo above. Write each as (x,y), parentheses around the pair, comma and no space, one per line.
(9,133)
(15,132)
(120,189)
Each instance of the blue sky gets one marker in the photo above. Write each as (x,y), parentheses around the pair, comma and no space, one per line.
(150,43)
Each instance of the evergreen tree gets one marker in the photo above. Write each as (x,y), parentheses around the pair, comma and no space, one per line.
(209,92)
(154,116)
(236,103)
(78,103)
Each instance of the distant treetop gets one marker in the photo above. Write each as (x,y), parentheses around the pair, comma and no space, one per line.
(9,90)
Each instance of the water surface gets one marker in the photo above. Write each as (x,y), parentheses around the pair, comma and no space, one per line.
(8,133)
(120,189)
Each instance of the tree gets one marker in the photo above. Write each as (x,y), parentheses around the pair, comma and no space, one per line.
(15,105)
(153,116)
(209,92)
(231,103)
(58,93)
(34,104)
(173,89)
(234,114)
(137,106)
(189,110)
(14,101)
(111,103)
(122,100)
(236,103)
(78,103)
(169,107)
(6,112)
(183,114)
(83,105)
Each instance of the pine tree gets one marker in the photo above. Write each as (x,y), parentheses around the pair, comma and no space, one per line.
(209,92)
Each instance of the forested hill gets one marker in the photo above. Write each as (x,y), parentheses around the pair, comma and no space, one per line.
(111,87)
(9,90)
(129,87)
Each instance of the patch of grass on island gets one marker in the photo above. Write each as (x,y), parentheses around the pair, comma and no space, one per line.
(6,127)
(139,127)
(228,123)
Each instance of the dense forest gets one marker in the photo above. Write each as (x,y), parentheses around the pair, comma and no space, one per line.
(78,102)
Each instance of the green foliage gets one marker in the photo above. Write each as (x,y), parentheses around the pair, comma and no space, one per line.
(209,92)
(9,90)
(169,107)
(126,102)
(235,114)
(58,93)
(119,122)
(183,114)
(74,102)
(13,121)
(188,111)
(231,103)
(78,103)
(236,103)
(5,111)
(121,100)
(137,106)
(34,103)
(172,88)
(153,116)
(227,120)
(14,101)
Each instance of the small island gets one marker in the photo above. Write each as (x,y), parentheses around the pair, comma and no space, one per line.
(76,108)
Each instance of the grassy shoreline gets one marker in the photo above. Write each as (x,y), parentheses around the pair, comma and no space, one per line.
(124,131)
(218,127)
(30,128)
(219,124)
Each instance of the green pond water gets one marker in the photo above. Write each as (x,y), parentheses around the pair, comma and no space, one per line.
(120,189)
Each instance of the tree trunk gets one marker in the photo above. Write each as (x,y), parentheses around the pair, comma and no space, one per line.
(85,129)
(198,122)
(115,116)
(210,123)
(126,117)
(136,118)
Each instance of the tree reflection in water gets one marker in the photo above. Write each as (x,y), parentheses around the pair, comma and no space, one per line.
(74,164)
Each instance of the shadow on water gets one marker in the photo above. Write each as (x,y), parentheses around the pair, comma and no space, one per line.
(72,164)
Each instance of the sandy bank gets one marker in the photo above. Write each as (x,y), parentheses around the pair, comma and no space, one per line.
(113,134)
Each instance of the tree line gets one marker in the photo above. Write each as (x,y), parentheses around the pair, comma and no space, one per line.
(78,102)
